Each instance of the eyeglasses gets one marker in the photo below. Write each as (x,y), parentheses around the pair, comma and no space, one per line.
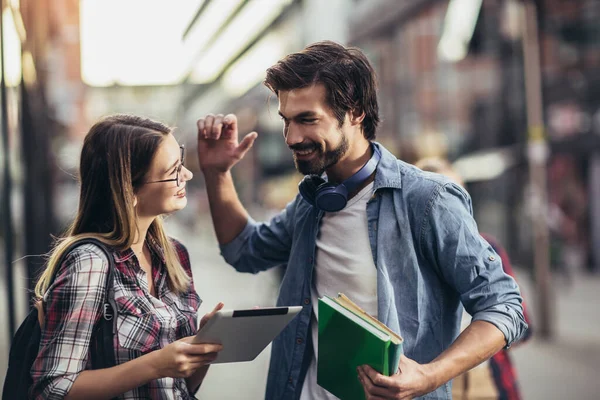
(178,173)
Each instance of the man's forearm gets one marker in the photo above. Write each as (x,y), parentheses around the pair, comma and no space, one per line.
(477,343)
(228,214)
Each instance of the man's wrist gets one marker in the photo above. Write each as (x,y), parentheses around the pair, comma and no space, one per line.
(215,173)
(432,375)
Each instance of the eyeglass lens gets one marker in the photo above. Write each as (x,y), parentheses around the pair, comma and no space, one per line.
(179,175)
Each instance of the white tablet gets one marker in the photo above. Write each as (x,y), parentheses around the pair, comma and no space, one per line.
(244,334)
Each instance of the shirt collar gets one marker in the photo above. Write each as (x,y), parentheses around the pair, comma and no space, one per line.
(157,251)
(388,173)
(123,255)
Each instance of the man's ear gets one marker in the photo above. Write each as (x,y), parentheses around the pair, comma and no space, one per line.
(356,117)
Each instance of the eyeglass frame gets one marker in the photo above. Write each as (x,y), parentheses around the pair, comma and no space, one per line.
(178,172)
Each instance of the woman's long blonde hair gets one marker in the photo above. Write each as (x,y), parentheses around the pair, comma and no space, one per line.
(117,153)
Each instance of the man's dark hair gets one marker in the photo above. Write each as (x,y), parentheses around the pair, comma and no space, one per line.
(345,72)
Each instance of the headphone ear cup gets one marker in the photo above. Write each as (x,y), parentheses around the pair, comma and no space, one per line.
(308,187)
(331,197)
(323,188)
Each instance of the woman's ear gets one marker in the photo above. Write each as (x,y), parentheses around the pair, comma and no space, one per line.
(135,201)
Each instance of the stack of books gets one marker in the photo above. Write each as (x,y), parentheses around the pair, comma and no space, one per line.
(349,337)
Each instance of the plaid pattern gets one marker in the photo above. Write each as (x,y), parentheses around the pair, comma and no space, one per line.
(73,305)
(501,366)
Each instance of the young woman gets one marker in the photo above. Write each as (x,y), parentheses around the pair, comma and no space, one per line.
(131,174)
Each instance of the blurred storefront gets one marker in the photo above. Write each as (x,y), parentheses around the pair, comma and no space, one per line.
(452,83)
(35,41)
(12,165)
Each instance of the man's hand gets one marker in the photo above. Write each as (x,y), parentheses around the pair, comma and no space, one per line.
(218,147)
(411,381)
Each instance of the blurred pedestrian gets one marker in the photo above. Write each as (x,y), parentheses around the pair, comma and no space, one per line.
(568,217)
(496,378)
(131,173)
(394,239)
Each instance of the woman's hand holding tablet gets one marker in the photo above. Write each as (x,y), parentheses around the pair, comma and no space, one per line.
(244,334)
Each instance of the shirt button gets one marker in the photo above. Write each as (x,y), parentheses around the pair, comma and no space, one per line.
(307,301)
(290,380)
(299,340)
(137,310)
(491,258)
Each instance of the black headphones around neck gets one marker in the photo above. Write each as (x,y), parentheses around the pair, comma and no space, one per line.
(329,197)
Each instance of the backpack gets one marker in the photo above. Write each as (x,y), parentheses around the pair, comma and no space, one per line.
(26,342)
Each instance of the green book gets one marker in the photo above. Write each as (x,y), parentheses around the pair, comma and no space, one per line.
(349,337)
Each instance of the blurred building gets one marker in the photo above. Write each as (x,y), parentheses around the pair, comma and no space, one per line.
(451,75)
(12,166)
(40,71)
(452,84)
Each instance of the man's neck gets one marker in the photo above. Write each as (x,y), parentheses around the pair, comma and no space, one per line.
(351,164)
(362,185)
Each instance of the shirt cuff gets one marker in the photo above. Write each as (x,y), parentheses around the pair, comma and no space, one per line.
(511,326)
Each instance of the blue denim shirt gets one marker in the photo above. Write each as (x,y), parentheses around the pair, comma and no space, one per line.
(429,256)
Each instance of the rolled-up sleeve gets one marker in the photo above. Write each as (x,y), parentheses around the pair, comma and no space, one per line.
(261,246)
(469,264)
(73,306)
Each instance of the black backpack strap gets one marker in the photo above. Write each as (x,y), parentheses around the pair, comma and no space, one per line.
(102,348)
(81,242)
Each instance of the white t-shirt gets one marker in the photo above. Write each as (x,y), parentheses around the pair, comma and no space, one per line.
(343,263)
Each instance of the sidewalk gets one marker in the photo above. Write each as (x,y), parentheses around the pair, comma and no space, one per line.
(568,366)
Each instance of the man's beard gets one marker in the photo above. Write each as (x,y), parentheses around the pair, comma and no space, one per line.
(322,160)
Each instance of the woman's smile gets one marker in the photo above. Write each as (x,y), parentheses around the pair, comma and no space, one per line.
(180,193)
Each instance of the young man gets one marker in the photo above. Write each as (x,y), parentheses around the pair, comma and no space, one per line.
(405,247)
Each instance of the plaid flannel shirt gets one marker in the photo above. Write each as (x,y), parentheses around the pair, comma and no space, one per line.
(73,305)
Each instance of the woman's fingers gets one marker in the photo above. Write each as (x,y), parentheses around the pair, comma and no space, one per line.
(197,349)
(211,314)
(203,359)
(218,307)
